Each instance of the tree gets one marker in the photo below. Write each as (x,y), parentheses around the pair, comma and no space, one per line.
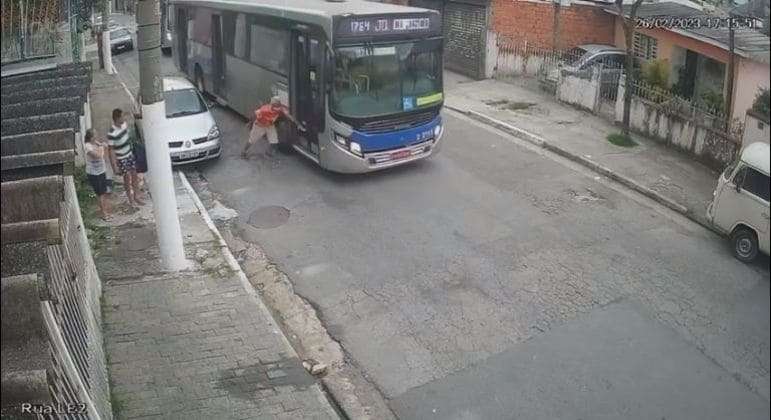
(628,23)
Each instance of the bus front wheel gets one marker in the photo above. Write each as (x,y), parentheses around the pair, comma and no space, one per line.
(286,137)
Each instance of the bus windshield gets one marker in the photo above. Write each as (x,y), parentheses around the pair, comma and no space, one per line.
(377,80)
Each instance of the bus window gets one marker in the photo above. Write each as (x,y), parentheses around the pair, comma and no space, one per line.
(229,32)
(269,48)
(240,37)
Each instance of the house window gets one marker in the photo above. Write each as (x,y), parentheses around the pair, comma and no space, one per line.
(645,47)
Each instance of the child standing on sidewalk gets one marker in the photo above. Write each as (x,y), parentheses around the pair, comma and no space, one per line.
(95,171)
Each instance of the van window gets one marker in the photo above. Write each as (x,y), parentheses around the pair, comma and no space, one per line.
(754,182)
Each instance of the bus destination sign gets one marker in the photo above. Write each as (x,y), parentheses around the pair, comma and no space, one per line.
(386,25)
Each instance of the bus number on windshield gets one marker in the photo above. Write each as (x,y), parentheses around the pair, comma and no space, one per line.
(411,24)
(365,26)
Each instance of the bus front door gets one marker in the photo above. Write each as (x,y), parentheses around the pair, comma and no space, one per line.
(218,57)
(306,89)
(182,39)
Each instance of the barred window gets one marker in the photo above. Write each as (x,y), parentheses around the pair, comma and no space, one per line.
(645,47)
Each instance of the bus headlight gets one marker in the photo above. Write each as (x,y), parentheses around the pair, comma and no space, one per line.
(168,36)
(355,148)
(214,133)
(341,139)
(437,131)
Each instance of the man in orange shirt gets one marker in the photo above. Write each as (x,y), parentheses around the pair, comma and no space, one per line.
(264,125)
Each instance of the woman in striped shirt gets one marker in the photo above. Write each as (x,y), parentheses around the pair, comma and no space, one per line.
(122,157)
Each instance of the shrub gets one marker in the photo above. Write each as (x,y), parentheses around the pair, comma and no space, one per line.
(714,101)
(656,73)
(762,104)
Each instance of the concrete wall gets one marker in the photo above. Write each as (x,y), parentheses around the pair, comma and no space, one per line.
(582,92)
(756,129)
(532,21)
(750,77)
(711,147)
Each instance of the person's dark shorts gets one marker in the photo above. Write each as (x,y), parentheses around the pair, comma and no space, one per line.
(127,165)
(98,183)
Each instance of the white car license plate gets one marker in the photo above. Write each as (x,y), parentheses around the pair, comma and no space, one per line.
(187,155)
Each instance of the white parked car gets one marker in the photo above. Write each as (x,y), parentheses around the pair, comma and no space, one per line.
(740,206)
(192,134)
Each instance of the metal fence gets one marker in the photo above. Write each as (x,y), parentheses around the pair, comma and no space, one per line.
(670,103)
(30,28)
(557,72)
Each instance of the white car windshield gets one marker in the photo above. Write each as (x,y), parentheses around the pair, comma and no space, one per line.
(182,102)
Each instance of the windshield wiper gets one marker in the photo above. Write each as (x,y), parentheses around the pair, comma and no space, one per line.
(182,114)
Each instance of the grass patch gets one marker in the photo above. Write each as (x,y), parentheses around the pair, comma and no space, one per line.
(86,197)
(621,140)
(89,210)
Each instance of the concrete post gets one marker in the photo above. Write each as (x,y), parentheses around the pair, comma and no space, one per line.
(160,176)
(106,49)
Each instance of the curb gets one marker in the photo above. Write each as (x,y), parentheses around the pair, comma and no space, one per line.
(233,263)
(594,166)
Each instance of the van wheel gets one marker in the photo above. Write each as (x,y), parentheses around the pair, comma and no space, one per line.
(745,244)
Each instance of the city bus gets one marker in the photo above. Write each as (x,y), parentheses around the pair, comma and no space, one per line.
(363,79)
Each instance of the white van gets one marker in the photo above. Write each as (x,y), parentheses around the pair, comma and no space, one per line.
(740,203)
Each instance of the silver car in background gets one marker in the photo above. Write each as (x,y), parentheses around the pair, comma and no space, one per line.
(121,40)
(191,131)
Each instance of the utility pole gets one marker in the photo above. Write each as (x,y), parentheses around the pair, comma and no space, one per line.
(75,30)
(556,26)
(106,48)
(154,123)
(731,69)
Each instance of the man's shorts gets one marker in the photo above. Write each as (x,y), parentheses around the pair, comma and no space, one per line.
(98,183)
(259,132)
(127,165)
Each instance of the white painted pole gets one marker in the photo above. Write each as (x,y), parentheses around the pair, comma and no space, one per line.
(154,125)
(106,48)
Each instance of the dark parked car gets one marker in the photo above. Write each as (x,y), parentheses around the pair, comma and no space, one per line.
(121,40)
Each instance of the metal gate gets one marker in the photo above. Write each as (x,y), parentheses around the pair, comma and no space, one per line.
(30,28)
(464,25)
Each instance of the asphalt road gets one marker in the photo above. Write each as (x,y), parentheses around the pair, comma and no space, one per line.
(496,281)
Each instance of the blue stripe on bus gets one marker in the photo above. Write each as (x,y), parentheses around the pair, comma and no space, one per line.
(395,139)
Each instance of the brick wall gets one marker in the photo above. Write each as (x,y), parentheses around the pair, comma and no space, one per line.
(533,21)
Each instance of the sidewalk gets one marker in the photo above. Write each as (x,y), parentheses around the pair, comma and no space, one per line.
(662,173)
(198,344)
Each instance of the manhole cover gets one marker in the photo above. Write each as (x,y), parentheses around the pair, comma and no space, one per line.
(269,217)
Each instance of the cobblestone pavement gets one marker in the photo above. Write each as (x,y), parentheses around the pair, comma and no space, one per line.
(193,344)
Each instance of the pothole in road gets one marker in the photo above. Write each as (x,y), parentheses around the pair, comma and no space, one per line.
(584,198)
(511,105)
(269,217)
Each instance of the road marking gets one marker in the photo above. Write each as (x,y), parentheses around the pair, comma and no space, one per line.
(120,79)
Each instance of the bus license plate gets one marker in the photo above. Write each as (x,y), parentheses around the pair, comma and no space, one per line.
(402,154)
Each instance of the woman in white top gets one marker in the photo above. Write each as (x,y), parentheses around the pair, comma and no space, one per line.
(95,171)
